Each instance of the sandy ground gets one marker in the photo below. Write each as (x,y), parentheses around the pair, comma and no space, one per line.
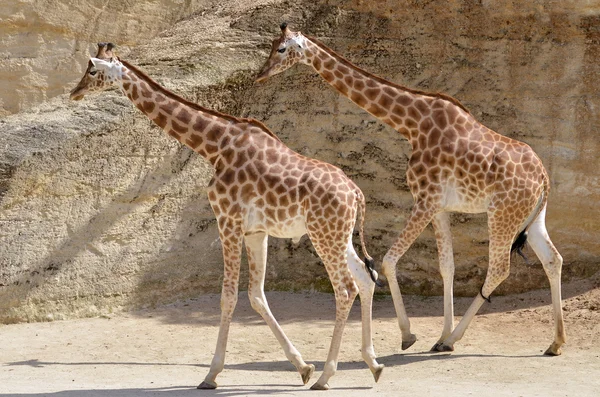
(167,350)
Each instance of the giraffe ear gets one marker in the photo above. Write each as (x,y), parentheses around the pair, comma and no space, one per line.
(100,64)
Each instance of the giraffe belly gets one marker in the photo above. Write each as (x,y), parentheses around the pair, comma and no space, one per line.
(469,207)
(291,227)
(456,199)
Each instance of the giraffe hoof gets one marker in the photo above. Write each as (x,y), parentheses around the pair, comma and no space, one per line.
(553,350)
(207,385)
(307,372)
(434,348)
(377,372)
(317,386)
(410,342)
(441,347)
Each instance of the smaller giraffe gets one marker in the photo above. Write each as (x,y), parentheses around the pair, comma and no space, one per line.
(260,188)
(457,165)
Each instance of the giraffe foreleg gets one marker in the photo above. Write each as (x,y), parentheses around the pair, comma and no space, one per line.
(441,227)
(501,232)
(498,271)
(256,247)
(231,242)
(552,261)
(418,220)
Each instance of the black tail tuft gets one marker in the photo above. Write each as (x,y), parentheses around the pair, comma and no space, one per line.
(370,264)
(518,245)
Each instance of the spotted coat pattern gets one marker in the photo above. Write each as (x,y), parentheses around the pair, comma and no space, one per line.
(457,164)
(260,188)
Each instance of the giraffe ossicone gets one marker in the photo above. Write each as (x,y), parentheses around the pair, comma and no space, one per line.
(260,188)
(457,165)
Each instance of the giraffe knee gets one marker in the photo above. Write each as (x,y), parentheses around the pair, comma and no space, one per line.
(556,262)
(256,301)
(447,272)
(553,267)
(494,278)
(352,289)
(228,301)
(257,304)
(559,260)
(341,294)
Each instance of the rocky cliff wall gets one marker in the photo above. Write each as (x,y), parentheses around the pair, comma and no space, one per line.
(99,210)
(43,42)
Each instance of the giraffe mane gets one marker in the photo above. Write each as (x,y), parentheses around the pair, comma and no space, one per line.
(381,80)
(195,106)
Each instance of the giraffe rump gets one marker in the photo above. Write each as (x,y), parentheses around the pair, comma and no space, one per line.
(519,243)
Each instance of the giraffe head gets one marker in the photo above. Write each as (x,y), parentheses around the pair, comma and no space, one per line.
(287,50)
(98,74)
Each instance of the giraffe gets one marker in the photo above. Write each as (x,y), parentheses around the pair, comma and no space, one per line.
(457,165)
(260,188)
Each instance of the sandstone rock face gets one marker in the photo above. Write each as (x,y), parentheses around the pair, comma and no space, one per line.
(100,211)
(44,42)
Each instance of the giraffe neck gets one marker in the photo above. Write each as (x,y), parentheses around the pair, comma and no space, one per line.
(401,108)
(207,132)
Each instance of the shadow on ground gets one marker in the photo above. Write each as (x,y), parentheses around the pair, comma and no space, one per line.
(206,308)
(393,360)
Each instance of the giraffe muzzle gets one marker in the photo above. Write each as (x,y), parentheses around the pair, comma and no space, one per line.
(262,76)
(76,94)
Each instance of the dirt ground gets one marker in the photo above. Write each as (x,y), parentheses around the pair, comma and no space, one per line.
(167,350)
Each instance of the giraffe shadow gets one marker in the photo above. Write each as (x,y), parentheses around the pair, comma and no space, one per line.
(390,360)
(188,391)
(171,391)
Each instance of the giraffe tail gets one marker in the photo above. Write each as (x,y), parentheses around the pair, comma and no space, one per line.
(519,243)
(369,261)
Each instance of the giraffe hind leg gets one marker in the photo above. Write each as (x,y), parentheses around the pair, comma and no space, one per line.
(366,287)
(335,251)
(551,260)
(344,297)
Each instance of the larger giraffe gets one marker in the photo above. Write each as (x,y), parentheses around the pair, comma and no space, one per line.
(260,188)
(457,164)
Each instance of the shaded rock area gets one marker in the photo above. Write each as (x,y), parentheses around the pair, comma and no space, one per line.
(100,211)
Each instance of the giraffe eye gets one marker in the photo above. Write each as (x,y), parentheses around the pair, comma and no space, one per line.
(93,72)
(281,50)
